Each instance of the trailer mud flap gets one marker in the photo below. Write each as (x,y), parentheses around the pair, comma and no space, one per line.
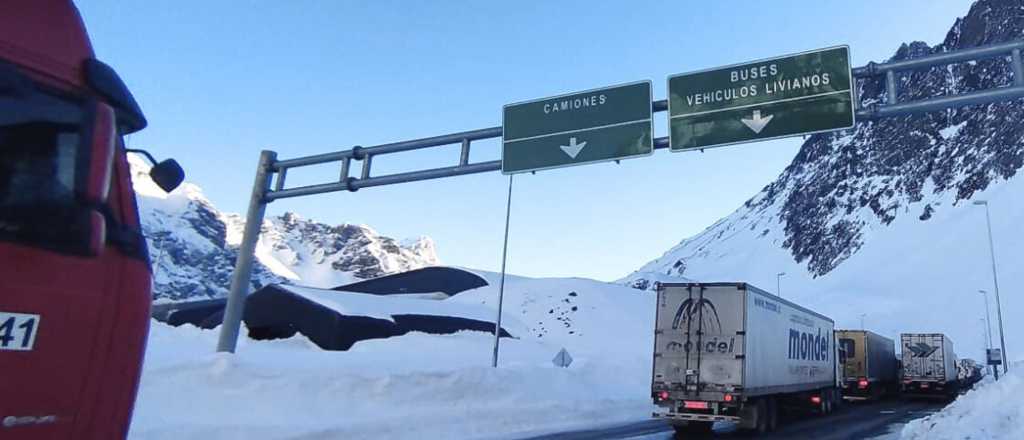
(747,417)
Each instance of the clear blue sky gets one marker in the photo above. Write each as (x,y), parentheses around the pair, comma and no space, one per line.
(221,80)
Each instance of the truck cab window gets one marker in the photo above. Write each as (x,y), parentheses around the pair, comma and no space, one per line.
(37,165)
(40,169)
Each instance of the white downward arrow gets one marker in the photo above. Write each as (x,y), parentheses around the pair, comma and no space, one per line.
(573,149)
(757,123)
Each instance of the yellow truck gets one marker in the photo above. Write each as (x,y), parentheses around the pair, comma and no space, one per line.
(870,368)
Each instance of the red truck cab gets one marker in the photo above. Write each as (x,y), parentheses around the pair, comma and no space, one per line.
(75,285)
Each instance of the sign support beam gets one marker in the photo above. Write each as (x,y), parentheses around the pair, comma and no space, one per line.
(501,284)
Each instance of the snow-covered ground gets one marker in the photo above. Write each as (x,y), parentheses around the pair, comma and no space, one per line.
(992,411)
(417,385)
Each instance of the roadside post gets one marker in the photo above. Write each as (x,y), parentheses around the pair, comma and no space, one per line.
(995,359)
(562,359)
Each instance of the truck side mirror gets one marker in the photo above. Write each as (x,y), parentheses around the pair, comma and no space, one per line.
(167,174)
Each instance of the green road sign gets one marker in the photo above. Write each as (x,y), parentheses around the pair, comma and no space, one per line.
(597,125)
(791,95)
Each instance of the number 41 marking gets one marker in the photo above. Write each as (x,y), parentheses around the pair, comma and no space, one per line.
(18,331)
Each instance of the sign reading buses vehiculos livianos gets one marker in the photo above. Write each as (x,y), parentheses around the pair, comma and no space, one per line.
(598,125)
(786,96)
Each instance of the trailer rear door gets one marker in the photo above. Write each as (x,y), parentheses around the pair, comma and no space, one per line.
(923,356)
(854,343)
(699,338)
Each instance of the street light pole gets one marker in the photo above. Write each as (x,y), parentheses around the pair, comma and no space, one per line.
(995,283)
(985,337)
(988,331)
(862,315)
(988,320)
(778,283)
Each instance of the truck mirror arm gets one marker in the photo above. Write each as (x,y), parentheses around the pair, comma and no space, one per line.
(166,174)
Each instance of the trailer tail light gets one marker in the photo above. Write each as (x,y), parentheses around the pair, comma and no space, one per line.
(728,398)
(663,395)
(862,383)
(690,404)
(816,400)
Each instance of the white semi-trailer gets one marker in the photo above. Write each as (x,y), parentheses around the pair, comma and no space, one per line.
(733,352)
(929,365)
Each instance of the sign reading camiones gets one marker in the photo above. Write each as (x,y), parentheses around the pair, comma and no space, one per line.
(785,96)
(597,125)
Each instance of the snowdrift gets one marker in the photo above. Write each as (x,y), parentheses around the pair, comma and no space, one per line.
(416,385)
(993,410)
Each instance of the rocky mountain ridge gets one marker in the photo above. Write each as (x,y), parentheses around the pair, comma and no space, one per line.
(843,185)
(193,246)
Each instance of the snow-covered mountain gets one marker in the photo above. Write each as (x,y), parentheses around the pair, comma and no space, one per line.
(193,246)
(879,220)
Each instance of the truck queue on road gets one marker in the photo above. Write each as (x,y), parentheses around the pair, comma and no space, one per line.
(730,352)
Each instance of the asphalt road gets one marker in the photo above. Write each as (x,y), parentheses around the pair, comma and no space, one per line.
(878,420)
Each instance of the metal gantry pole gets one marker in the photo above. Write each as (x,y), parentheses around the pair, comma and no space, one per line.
(501,283)
(235,308)
(995,282)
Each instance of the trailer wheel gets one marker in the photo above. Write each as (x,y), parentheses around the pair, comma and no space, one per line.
(763,411)
(837,400)
(953,393)
(773,414)
(824,405)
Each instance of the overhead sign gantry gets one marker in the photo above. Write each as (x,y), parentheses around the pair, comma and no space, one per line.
(814,108)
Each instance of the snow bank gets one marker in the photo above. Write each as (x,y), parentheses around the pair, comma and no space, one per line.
(387,306)
(994,410)
(417,385)
(587,317)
